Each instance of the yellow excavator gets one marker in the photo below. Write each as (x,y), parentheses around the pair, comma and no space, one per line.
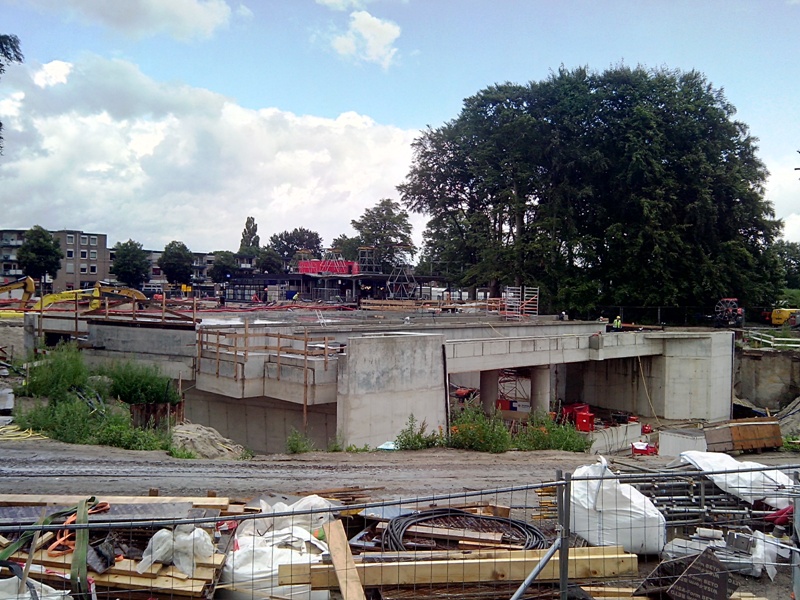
(28,287)
(95,296)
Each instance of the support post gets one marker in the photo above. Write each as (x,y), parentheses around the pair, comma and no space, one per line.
(563,557)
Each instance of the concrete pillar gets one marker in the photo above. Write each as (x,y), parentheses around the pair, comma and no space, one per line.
(490,381)
(540,388)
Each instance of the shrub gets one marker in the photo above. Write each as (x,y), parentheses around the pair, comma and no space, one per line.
(298,443)
(57,373)
(472,429)
(542,433)
(141,384)
(413,437)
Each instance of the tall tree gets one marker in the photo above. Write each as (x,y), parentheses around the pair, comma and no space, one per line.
(131,265)
(386,228)
(9,53)
(176,263)
(269,261)
(289,243)
(251,243)
(224,266)
(348,246)
(789,257)
(40,254)
(630,186)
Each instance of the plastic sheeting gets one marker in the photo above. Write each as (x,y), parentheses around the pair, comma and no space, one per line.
(771,486)
(606,512)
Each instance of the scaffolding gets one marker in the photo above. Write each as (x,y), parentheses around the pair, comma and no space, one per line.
(333,262)
(521,302)
(401,283)
(366,261)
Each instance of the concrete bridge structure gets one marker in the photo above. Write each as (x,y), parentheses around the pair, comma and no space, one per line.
(255,380)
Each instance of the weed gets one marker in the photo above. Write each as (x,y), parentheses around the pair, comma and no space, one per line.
(246,454)
(542,433)
(791,444)
(336,444)
(354,448)
(298,443)
(57,373)
(140,384)
(176,452)
(415,437)
(472,429)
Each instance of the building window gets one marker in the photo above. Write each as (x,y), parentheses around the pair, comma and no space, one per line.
(84,254)
(70,239)
(70,253)
(84,240)
(93,240)
(156,271)
(70,268)
(93,254)
(84,268)
(92,268)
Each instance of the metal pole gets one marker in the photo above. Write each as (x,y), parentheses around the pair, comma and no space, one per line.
(563,557)
(795,554)
(537,569)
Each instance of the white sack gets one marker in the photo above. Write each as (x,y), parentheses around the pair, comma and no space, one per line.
(770,486)
(606,512)
(181,547)
(309,522)
(10,587)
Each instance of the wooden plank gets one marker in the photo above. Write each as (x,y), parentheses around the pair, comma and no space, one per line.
(343,564)
(69,500)
(603,562)
(64,562)
(448,533)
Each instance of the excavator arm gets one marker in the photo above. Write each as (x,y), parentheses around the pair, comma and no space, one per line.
(26,284)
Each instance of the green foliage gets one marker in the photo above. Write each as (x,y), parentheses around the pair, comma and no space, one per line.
(472,429)
(542,433)
(224,266)
(298,443)
(415,436)
(40,253)
(652,195)
(791,443)
(385,227)
(269,261)
(354,448)
(131,264)
(790,298)
(250,240)
(289,243)
(176,263)
(58,373)
(73,421)
(134,383)
(246,454)
(336,444)
(184,453)
(9,53)
(348,246)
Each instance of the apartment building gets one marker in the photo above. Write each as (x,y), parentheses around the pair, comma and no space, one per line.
(10,241)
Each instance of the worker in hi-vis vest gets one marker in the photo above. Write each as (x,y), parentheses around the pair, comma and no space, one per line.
(617,324)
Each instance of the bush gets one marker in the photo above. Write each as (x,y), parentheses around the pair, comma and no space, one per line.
(542,433)
(413,437)
(58,373)
(472,429)
(74,421)
(141,384)
(298,443)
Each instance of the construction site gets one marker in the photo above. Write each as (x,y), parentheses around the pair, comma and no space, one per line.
(257,366)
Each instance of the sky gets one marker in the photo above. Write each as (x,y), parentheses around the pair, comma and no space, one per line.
(162,120)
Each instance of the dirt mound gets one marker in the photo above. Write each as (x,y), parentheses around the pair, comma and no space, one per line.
(205,442)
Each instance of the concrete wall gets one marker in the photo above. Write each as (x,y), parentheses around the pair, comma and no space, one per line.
(386,378)
(768,378)
(260,424)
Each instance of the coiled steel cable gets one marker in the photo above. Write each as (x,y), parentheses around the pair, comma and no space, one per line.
(524,534)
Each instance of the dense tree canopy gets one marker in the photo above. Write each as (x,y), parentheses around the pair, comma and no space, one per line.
(9,53)
(623,187)
(789,257)
(40,253)
(289,243)
(131,264)
(386,228)
(348,246)
(269,261)
(176,263)
(224,266)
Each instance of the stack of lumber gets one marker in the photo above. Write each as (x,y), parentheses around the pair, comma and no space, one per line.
(626,593)
(490,567)
(744,435)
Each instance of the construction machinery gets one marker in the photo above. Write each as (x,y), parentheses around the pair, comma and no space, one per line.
(728,313)
(26,284)
(95,296)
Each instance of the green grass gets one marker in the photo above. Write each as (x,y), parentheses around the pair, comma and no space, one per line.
(140,384)
(57,374)
(542,433)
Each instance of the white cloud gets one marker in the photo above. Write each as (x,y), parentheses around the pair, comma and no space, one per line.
(52,73)
(244,12)
(368,39)
(182,19)
(156,162)
(342,4)
(783,190)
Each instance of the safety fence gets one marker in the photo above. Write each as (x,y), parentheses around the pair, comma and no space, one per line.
(768,339)
(699,531)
